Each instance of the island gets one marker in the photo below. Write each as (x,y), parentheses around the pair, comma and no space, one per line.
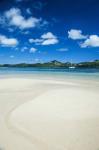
(56,64)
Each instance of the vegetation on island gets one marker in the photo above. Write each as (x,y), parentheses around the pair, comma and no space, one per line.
(56,64)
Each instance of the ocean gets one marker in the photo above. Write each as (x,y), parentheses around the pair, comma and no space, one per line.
(86,73)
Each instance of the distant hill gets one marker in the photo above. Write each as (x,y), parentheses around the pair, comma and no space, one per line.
(93,64)
(56,64)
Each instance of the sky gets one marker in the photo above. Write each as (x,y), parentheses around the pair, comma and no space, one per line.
(33,31)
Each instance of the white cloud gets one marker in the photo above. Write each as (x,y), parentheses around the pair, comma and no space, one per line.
(76,34)
(5,41)
(92,41)
(46,39)
(33,50)
(15,18)
(48,35)
(50,41)
(63,49)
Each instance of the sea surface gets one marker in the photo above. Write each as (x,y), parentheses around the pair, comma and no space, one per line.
(46,72)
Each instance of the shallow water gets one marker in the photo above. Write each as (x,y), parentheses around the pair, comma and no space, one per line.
(92,74)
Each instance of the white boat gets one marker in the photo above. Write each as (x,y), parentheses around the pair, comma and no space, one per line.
(72,67)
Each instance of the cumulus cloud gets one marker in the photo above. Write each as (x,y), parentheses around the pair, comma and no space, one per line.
(46,39)
(50,41)
(15,18)
(92,41)
(5,41)
(76,34)
(48,35)
(33,50)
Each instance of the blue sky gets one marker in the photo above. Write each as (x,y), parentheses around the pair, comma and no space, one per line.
(34,31)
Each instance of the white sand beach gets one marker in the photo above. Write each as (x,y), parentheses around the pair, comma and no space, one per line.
(38,114)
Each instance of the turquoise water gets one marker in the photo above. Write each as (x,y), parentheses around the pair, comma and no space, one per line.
(85,73)
(44,70)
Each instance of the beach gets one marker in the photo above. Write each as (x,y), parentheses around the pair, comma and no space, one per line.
(49,113)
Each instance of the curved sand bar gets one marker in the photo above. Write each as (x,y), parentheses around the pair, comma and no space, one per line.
(48,114)
(61,119)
